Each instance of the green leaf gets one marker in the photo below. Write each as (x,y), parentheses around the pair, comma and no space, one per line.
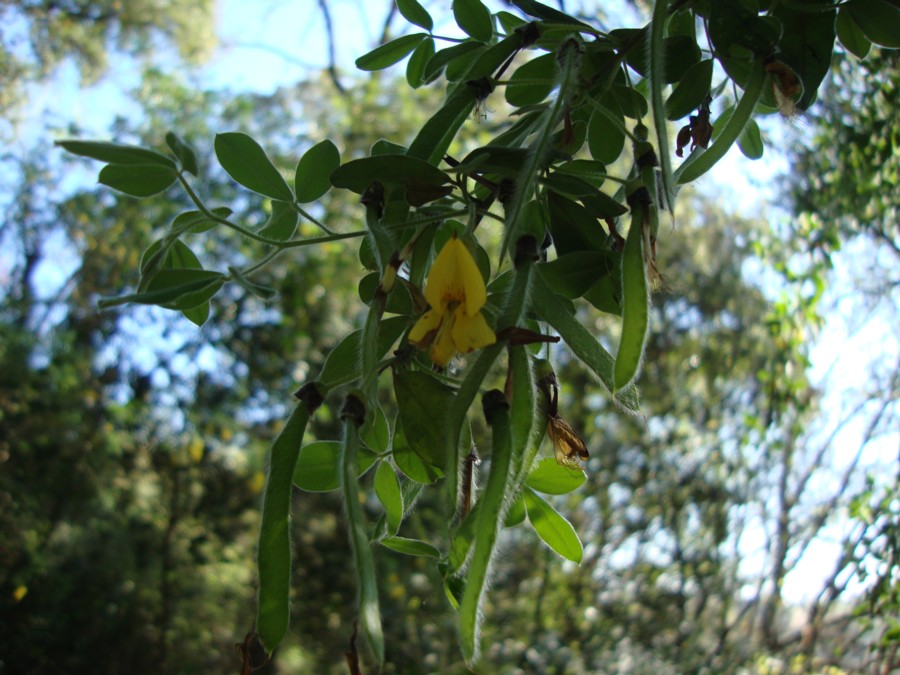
(632,102)
(459,69)
(274,552)
(423,401)
(318,466)
(588,170)
(516,513)
(491,58)
(174,289)
(377,433)
(260,291)
(413,12)
(197,315)
(552,478)
(606,293)
(342,364)
(490,159)
(182,256)
(691,90)
(137,180)
(387,489)
(196,222)
(573,227)
(878,19)
(153,259)
(419,193)
(572,187)
(750,140)
(681,52)
(409,462)
(850,34)
(389,170)
(533,81)
(601,205)
(509,22)
(552,528)
(635,305)
(683,22)
(115,153)
(438,132)
(390,53)
(282,221)
(809,49)
(311,179)
(414,547)
(183,152)
(735,29)
(193,287)
(399,301)
(415,67)
(453,590)
(541,11)
(176,254)
(385,147)
(573,274)
(606,139)
(246,162)
(474,18)
(461,541)
(443,57)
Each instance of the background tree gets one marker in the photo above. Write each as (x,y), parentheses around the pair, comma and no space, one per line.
(167,521)
(842,191)
(39,35)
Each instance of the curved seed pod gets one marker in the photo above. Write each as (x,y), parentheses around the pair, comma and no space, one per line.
(490,517)
(274,556)
(635,301)
(701,162)
(369,611)
(523,417)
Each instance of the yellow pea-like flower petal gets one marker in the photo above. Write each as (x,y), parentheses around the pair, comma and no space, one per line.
(428,322)
(443,348)
(471,332)
(456,293)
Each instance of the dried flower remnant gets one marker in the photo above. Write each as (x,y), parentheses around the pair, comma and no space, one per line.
(697,132)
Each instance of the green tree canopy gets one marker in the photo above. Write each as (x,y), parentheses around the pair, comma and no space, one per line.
(505,206)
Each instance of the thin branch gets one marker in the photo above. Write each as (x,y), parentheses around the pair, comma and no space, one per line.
(332,59)
(882,236)
(826,444)
(815,525)
(386,26)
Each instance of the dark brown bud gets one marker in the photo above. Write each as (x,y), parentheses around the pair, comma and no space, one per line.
(493,402)
(311,395)
(354,408)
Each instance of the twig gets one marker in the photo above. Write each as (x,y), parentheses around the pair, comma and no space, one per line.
(332,59)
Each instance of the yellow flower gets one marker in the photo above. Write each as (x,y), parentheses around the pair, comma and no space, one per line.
(456,293)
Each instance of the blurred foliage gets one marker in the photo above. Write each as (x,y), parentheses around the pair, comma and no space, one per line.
(847,177)
(844,188)
(40,35)
(132,444)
